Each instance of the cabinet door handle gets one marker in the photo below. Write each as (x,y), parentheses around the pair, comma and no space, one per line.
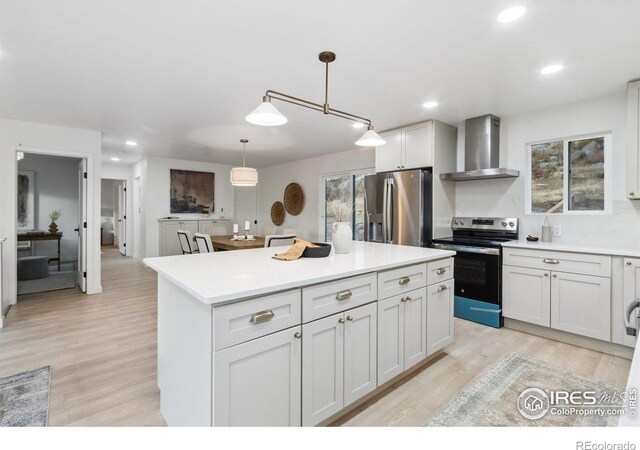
(343,295)
(631,194)
(628,263)
(403,299)
(404,280)
(262,316)
(550,261)
(442,287)
(297,335)
(340,320)
(555,276)
(409,298)
(546,274)
(441,270)
(349,318)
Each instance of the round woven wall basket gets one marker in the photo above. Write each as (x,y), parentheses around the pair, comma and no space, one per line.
(277,213)
(293,199)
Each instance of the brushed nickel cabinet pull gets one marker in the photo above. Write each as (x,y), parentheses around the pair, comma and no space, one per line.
(403,299)
(441,270)
(409,298)
(546,274)
(297,335)
(349,318)
(340,320)
(550,261)
(343,295)
(628,263)
(555,276)
(262,316)
(404,280)
(442,287)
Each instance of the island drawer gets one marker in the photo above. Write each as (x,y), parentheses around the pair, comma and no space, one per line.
(439,271)
(398,281)
(578,263)
(329,298)
(245,320)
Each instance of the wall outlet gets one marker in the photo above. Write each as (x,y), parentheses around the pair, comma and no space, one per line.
(557,230)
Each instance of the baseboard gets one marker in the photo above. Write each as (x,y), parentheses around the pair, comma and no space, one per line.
(569,338)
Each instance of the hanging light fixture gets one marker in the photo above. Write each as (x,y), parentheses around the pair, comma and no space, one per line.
(267,115)
(244,176)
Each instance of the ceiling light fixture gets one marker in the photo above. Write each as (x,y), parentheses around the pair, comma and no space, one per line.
(553,68)
(115,158)
(267,115)
(244,176)
(511,14)
(131,143)
(431,104)
(358,125)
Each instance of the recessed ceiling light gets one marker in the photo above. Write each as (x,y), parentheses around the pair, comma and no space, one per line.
(553,68)
(115,158)
(511,14)
(358,125)
(131,143)
(431,104)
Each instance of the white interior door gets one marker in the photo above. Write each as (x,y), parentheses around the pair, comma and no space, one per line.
(121,205)
(246,207)
(81,274)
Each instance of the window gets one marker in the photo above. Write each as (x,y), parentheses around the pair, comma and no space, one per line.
(347,188)
(569,175)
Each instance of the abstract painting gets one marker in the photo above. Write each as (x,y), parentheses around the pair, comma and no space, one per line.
(192,192)
(25,200)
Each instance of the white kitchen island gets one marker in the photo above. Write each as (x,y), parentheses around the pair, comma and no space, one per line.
(244,339)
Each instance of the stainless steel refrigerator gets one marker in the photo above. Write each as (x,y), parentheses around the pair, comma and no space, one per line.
(398,207)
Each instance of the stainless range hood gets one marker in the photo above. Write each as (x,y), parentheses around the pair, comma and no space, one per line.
(481,151)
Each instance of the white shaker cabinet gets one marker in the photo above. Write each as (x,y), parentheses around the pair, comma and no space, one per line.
(338,362)
(633,140)
(406,148)
(439,316)
(526,294)
(258,382)
(630,292)
(402,333)
(169,243)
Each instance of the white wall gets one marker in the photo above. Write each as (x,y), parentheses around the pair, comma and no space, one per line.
(45,138)
(156,191)
(139,216)
(123,172)
(506,197)
(56,187)
(306,173)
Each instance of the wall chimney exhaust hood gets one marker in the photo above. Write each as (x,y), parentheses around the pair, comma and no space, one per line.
(481,151)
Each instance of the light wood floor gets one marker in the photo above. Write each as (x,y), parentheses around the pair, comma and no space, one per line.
(102,350)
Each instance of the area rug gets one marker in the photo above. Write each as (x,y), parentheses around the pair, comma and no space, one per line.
(24,399)
(55,281)
(494,397)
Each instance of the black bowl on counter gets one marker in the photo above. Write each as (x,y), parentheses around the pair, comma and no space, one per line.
(321,251)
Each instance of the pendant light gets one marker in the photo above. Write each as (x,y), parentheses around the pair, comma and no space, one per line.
(267,115)
(244,176)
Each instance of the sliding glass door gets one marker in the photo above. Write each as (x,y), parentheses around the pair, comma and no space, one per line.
(343,191)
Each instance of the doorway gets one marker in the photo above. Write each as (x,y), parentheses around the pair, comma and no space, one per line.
(51,223)
(113,214)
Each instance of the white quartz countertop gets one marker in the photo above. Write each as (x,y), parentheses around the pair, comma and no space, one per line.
(577,248)
(222,277)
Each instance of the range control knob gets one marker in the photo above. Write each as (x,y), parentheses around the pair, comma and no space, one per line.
(461,222)
(511,224)
(504,224)
(456,222)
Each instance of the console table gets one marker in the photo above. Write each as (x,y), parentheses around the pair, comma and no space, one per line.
(45,236)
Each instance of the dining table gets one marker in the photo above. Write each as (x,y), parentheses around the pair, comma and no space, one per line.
(228,243)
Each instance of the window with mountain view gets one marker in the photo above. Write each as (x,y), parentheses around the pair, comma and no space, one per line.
(568,175)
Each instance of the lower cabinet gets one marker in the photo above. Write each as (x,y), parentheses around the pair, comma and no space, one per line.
(526,295)
(258,383)
(169,243)
(338,362)
(439,316)
(402,333)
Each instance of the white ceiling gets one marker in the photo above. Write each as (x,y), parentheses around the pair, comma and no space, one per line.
(179,76)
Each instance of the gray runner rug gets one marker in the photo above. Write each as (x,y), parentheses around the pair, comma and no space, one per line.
(495,397)
(24,398)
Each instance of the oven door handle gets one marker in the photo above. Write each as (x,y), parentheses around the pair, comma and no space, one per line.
(468,249)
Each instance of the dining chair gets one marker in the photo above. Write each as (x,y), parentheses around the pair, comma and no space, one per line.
(186,242)
(204,243)
(279,240)
(269,231)
(293,231)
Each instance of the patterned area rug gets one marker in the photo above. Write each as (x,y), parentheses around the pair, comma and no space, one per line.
(24,399)
(492,399)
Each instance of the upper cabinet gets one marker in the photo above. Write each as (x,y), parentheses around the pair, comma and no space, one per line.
(633,141)
(406,148)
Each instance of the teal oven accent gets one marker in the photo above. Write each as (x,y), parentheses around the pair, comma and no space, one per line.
(477,311)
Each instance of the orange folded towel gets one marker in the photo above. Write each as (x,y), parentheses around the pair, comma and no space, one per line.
(295,251)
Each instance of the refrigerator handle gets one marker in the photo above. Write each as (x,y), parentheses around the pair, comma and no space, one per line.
(384,210)
(390,212)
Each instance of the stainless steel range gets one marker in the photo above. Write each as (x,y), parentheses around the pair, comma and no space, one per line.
(478,265)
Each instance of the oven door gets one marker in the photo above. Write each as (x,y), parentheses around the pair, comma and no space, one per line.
(476,271)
